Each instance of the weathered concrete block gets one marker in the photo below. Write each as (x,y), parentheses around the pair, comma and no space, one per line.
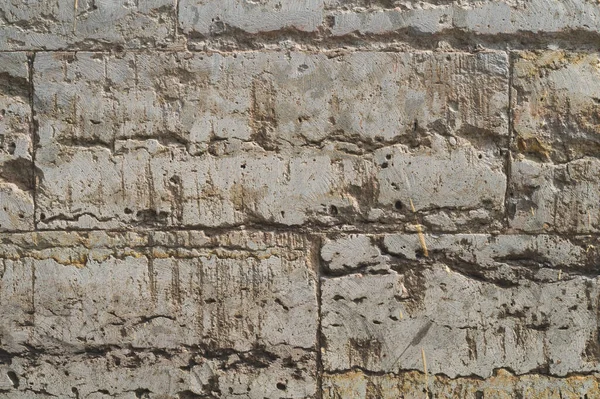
(209,19)
(86,24)
(555,170)
(214,17)
(67,292)
(483,18)
(273,99)
(267,137)
(502,385)
(555,101)
(16,167)
(550,197)
(478,303)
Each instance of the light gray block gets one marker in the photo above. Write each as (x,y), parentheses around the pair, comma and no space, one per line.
(211,140)
(477,303)
(144,291)
(213,17)
(86,24)
(478,17)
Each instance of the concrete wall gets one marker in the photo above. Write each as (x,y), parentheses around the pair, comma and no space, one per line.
(299,199)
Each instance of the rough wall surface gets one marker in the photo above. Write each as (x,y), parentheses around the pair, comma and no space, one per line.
(299,199)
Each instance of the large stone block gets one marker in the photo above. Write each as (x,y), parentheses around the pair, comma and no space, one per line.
(555,101)
(202,20)
(213,140)
(235,312)
(16,167)
(475,304)
(479,17)
(214,17)
(85,24)
(555,197)
(555,167)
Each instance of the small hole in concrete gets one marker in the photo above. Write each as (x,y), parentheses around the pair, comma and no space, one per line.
(142,393)
(398,205)
(281,386)
(333,210)
(12,376)
(384,165)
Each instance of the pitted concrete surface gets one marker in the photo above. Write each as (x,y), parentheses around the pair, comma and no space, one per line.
(299,199)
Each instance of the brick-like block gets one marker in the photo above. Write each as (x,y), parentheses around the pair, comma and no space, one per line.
(276,100)
(215,17)
(86,24)
(555,197)
(475,304)
(230,294)
(555,170)
(482,17)
(206,19)
(213,140)
(502,385)
(555,100)
(16,167)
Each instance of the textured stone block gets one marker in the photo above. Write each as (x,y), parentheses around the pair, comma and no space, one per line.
(555,100)
(191,139)
(502,385)
(555,197)
(85,24)
(214,17)
(555,170)
(210,19)
(483,18)
(476,304)
(16,168)
(239,299)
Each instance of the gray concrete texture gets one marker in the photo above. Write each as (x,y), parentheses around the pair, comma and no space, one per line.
(320,199)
